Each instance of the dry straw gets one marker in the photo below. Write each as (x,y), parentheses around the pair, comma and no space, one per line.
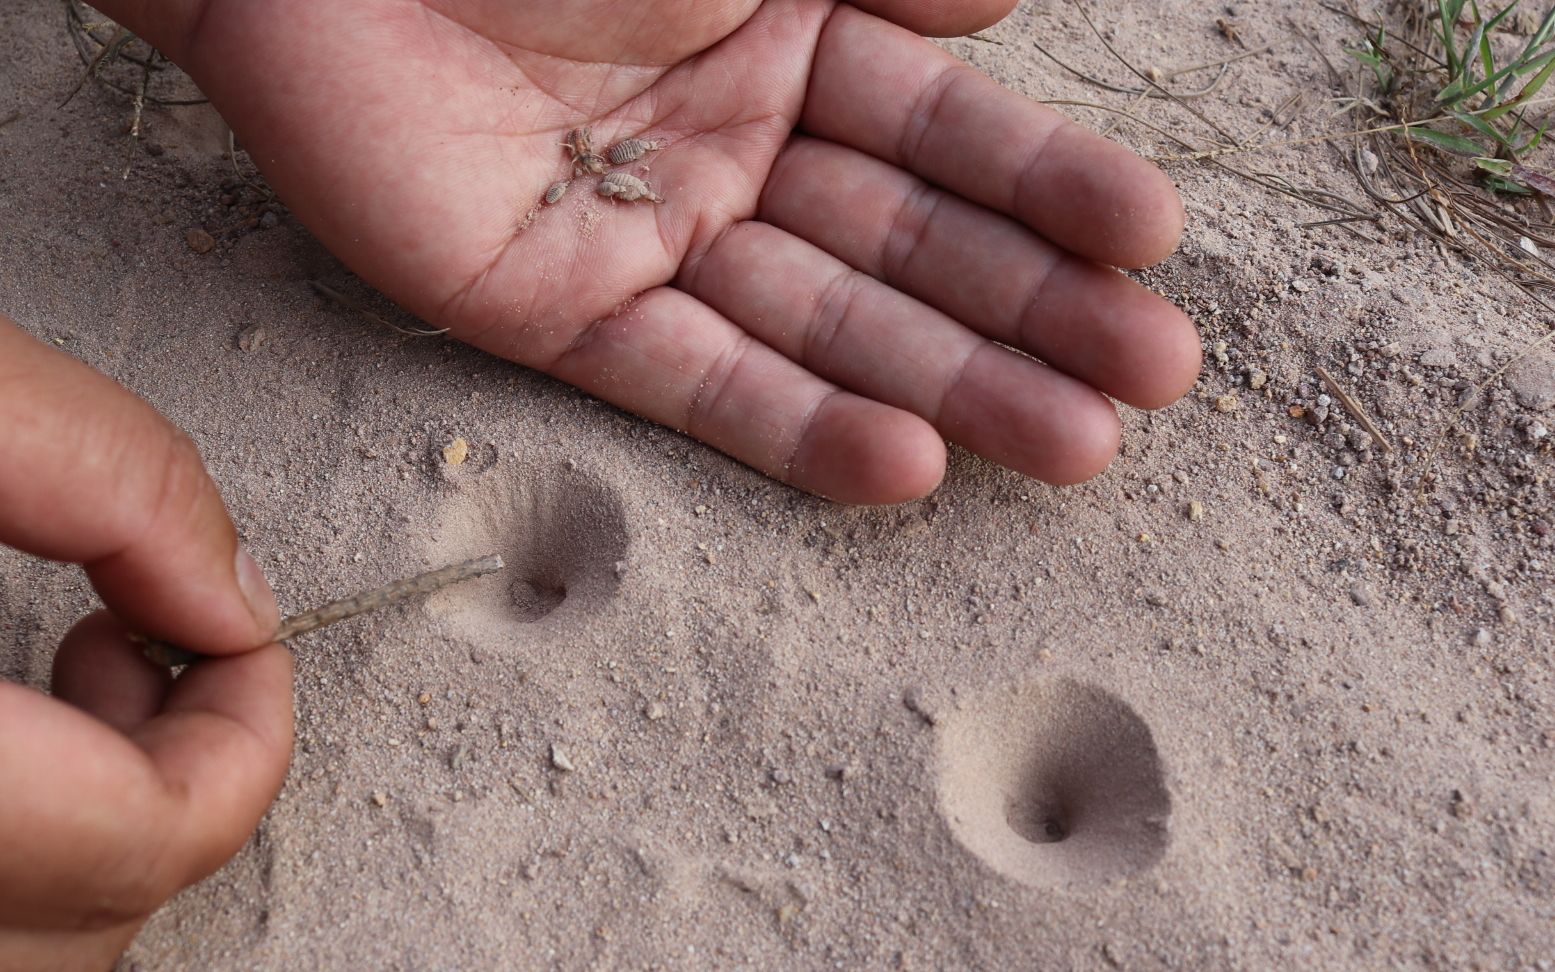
(171,656)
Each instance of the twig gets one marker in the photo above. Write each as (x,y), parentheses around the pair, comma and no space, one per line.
(81,32)
(330,293)
(232,154)
(109,51)
(1147,79)
(140,109)
(171,656)
(1355,410)
(1274,183)
(1319,139)
(10,118)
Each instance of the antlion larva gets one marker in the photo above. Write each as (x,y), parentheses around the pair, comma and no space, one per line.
(557,190)
(588,162)
(579,141)
(632,149)
(627,188)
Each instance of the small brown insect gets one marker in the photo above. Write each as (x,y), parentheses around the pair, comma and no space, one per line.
(588,162)
(632,149)
(627,188)
(579,141)
(554,194)
(1228,30)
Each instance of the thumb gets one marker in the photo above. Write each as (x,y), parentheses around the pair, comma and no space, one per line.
(168,25)
(89,473)
(939,18)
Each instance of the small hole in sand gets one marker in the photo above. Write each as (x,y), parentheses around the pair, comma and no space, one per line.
(535,597)
(563,535)
(1055,784)
(1037,820)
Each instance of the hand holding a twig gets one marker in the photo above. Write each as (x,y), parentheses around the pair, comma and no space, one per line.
(124,785)
(864,247)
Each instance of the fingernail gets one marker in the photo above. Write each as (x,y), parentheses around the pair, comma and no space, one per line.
(256,591)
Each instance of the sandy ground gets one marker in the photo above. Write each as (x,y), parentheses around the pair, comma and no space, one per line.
(1306,724)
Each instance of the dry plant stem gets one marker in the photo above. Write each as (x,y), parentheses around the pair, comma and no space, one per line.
(1355,410)
(330,293)
(171,656)
(1143,93)
(1319,139)
(139,103)
(1147,79)
(82,33)
(1279,184)
(111,48)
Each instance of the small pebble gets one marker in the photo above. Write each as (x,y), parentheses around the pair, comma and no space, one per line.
(1195,511)
(200,241)
(251,339)
(380,799)
(654,712)
(559,759)
(455,452)
(1226,403)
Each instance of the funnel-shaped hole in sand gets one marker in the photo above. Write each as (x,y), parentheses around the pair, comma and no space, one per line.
(536,596)
(563,537)
(1057,784)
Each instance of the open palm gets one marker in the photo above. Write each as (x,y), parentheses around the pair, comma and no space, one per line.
(856,229)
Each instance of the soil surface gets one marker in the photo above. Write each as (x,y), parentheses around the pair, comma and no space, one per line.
(1238,703)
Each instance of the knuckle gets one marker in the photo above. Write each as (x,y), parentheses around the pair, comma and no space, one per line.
(184,489)
(134,876)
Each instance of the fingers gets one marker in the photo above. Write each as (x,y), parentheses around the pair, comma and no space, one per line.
(221,747)
(938,18)
(108,826)
(677,362)
(883,90)
(168,25)
(95,671)
(876,341)
(985,270)
(89,473)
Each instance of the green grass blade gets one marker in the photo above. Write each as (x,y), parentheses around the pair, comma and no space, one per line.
(1514,70)
(1528,92)
(1456,144)
(1500,167)
(1532,143)
(1449,10)
(1486,129)
(1498,184)
(1530,51)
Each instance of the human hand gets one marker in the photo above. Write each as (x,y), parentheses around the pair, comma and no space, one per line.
(125,785)
(855,224)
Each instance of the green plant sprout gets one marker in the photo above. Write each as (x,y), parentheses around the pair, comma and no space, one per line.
(1465,82)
